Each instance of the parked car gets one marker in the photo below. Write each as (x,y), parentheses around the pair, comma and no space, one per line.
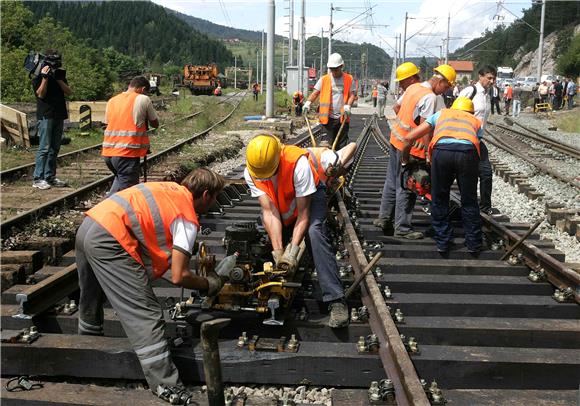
(529,83)
(520,80)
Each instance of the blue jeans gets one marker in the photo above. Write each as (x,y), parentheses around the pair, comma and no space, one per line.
(126,171)
(485,177)
(570,101)
(396,203)
(446,166)
(50,135)
(321,249)
(517,108)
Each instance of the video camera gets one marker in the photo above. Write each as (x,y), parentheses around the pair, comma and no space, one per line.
(35,62)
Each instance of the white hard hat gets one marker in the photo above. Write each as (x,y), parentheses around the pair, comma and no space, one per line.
(334,61)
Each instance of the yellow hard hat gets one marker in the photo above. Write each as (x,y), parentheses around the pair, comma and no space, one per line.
(296,93)
(463,103)
(447,72)
(406,70)
(263,155)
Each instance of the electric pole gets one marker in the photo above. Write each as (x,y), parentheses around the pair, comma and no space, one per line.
(541,45)
(262,67)
(330,33)
(270,55)
(447,40)
(405,38)
(291,35)
(303,47)
(235,72)
(321,48)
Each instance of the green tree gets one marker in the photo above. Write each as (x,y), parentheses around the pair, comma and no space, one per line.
(569,62)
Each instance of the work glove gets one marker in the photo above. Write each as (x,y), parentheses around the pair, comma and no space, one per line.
(306,107)
(289,260)
(347,110)
(277,255)
(215,283)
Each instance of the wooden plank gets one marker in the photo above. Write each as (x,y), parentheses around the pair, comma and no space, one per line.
(16,124)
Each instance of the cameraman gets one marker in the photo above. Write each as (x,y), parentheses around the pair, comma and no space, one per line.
(50,88)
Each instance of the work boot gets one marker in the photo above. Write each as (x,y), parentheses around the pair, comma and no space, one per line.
(410,235)
(338,314)
(174,395)
(385,224)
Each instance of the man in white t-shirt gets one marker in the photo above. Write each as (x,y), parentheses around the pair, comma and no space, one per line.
(293,198)
(480,95)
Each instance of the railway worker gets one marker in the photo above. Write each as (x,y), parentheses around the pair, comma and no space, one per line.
(126,141)
(419,101)
(255,90)
(479,94)
(124,244)
(337,92)
(454,152)
(507,98)
(374,95)
(50,89)
(298,103)
(293,199)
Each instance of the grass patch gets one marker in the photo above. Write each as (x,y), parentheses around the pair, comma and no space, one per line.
(17,155)
(569,121)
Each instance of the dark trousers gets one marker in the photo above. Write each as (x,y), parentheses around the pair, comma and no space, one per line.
(485,177)
(331,129)
(298,109)
(448,165)
(507,103)
(495,103)
(126,171)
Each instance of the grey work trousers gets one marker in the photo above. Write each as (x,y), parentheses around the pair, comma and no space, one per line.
(396,203)
(381,107)
(107,270)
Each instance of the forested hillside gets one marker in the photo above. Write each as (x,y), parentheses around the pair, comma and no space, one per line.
(141,29)
(499,47)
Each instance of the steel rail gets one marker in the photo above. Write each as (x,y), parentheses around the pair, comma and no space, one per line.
(392,352)
(18,170)
(543,168)
(8,225)
(536,136)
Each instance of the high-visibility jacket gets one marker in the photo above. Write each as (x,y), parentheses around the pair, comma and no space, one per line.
(508,93)
(283,194)
(456,124)
(326,97)
(375,93)
(405,122)
(122,137)
(315,157)
(140,217)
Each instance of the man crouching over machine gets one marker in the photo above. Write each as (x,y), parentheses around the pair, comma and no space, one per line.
(287,182)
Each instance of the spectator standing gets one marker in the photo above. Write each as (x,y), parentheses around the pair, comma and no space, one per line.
(495,99)
(479,94)
(507,98)
(517,100)
(571,92)
(126,141)
(536,94)
(558,93)
(381,100)
(543,91)
(50,89)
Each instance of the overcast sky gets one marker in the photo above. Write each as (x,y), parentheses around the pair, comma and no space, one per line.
(426,27)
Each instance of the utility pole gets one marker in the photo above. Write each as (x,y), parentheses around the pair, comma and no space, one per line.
(257,65)
(300,61)
(235,72)
(447,40)
(262,67)
(405,38)
(321,48)
(303,46)
(330,33)
(270,51)
(541,45)
(291,35)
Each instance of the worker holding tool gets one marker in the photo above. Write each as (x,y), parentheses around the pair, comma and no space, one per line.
(419,101)
(337,94)
(124,244)
(293,199)
(298,103)
(454,151)
(128,116)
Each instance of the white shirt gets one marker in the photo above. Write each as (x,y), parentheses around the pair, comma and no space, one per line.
(303,180)
(337,94)
(184,234)
(481,104)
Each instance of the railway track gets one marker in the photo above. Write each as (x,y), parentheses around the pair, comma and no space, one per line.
(555,159)
(22,204)
(478,328)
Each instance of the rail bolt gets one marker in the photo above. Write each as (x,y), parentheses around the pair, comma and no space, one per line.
(361,345)
(374,392)
(399,317)
(387,292)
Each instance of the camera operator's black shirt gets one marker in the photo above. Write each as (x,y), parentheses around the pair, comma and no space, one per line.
(53,105)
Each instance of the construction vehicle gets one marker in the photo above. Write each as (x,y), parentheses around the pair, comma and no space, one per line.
(200,79)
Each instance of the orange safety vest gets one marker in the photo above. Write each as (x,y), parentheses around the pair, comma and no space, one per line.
(122,136)
(326,96)
(140,217)
(456,124)
(284,195)
(405,122)
(315,157)
(375,93)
